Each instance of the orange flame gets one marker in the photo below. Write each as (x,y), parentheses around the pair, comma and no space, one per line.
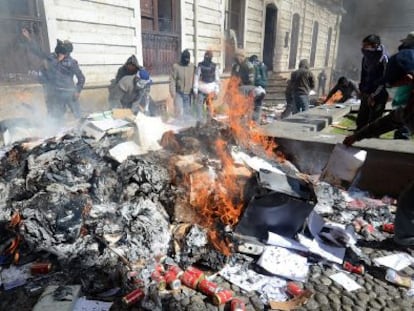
(14,223)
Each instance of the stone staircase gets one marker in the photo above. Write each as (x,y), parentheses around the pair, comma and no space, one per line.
(275,90)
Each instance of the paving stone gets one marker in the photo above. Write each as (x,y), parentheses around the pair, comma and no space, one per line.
(321,299)
(257,303)
(334,298)
(321,288)
(326,281)
(347,301)
(348,308)
(249,307)
(363,297)
(381,301)
(312,304)
(325,308)
(374,304)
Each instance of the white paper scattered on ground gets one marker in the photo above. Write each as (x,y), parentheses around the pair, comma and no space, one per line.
(285,263)
(83,304)
(278,240)
(108,124)
(396,262)
(121,151)
(269,287)
(345,281)
(14,276)
(330,253)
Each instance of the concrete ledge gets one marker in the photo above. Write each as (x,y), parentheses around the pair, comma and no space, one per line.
(388,169)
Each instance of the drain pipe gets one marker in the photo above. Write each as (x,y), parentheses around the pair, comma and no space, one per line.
(195,8)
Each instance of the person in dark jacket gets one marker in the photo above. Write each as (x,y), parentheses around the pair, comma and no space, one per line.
(290,102)
(303,82)
(346,87)
(60,69)
(322,83)
(206,86)
(374,96)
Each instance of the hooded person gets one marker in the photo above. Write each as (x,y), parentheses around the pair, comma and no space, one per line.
(59,72)
(181,85)
(374,96)
(303,81)
(206,85)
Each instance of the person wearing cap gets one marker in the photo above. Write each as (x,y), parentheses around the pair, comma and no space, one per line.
(374,96)
(181,85)
(303,82)
(206,86)
(132,92)
(59,72)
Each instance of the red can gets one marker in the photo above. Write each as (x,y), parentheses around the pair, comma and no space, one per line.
(388,228)
(159,279)
(160,268)
(353,269)
(133,297)
(191,280)
(208,288)
(176,271)
(222,297)
(195,271)
(41,268)
(293,289)
(237,305)
(174,284)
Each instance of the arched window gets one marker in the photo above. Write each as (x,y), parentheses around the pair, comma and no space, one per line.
(294,41)
(328,47)
(314,43)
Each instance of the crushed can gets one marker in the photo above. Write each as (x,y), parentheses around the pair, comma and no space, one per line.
(175,270)
(133,297)
(222,297)
(237,305)
(293,289)
(158,278)
(40,268)
(389,228)
(208,288)
(359,269)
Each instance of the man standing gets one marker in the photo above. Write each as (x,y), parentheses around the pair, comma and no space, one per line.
(206,85)
(321,83)
(303,82)
(260,81)
(181,85)
(374,96)
(60,69)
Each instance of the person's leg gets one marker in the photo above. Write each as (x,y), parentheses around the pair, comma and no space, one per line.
(257,110)
(404,217)
(302,102)
(178,104)
(363,113)
(379,107)
(199,106)
(73,105)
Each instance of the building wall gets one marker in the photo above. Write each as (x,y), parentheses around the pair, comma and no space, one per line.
(104,33)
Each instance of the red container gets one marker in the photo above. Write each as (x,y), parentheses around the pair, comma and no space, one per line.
(191,280)
(174,284)
(40,268)
(208,288)
(160,268)
(195,271)
(176,271)
(159,279)
(353,269)
(133,297)
(222,297)
(293,289)
(388,228)
(237,305)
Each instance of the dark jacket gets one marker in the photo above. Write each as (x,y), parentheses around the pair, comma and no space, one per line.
(302,79)
(346,90)
(60,74)
(245,71)
(372,71)
(260,76)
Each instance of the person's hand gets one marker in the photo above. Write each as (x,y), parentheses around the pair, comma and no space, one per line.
(26,33)
(349,140)
(75,96)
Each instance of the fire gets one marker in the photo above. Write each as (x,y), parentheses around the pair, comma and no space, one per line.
(336,97)
(13,248)
(218,197)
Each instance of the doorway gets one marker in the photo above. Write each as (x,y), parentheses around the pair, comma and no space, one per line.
(294,41)
(270,35)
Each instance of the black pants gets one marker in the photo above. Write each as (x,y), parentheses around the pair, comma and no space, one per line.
(368,113)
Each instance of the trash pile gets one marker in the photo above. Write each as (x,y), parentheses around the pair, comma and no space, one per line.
(106,216)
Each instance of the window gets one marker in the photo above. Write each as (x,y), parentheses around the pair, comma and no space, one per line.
(17,63)
(294,41)
(235,19)
(314,43)
(328,47)
(160,34)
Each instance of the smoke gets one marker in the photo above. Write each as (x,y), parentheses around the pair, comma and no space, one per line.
(390,19)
